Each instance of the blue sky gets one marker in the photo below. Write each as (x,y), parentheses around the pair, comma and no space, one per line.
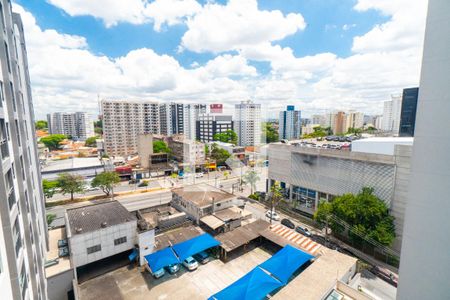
(299,57)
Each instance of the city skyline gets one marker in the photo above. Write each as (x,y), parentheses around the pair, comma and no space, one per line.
(296,58)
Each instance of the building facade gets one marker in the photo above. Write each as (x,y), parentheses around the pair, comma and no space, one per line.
(23,227)
(208,125)
(78,125)
(188,151)
(424,267)
(124,121)
(290,124)
(408,112)
(391,114)
(247,123)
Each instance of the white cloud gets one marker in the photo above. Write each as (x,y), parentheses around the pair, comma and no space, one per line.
(236,25)
(112,12)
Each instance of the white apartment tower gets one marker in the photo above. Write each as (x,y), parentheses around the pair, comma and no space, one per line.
(247,123)
(354,119)
(124,121)
(23,229)
(391,114)
(78,125)
(425,259)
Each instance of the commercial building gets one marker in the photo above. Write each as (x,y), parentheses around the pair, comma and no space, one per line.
(424,267)
(236,151)
(124,121)
(391,114)
(290,124)
(78,125)
(311,174)
(247,123)
(187,151)
(408,112)
(208,125)
(23,226)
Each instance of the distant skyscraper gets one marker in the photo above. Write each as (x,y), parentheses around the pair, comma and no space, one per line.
(425,258)
(23,226)
(408,112)
(247,123)
(290,123)
(78,125)
(208,125)
(391,114)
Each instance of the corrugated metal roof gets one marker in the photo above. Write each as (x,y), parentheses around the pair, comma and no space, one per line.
(97,216)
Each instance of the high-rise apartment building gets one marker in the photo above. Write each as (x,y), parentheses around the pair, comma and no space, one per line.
(208,125)
(124,121)
(354,119)
(425,259)
(78,125)
(23,229)
(247,123)
(408,112)
(391,114)
(340,123)
(290,124)
(180,118)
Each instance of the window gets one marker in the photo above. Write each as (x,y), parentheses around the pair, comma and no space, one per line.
(13,95)
(94,249)
(7,57)
(1,94)
(120,240)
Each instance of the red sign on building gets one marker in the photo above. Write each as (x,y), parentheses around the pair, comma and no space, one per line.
(216,108)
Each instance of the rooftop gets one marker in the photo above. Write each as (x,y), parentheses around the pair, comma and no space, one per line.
(71,163)
(176,236)
(202,194)
(233,239)
(97,216)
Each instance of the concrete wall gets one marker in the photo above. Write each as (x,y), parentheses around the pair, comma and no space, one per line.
(145,149)
(146,241)
(105,237)
(59,285)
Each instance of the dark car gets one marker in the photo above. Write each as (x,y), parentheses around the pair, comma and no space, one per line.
(62,252)
(288,223)
(62,243)
(303,231)
(202,257)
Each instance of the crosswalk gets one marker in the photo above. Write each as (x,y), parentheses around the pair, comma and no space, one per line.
(300,240)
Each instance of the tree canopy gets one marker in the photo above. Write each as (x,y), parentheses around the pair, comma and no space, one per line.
(41,124)
(98,127)
(365,213)
(219,155)
(318,132)
(70,184)
(106,181)
(160,147)
(91,142)
(270,133)
(228,136)
(52,141)
(49,187)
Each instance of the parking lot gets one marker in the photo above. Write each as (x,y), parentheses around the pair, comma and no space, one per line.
(129,283)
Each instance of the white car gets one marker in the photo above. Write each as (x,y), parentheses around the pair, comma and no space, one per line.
(198,175)
(272,215)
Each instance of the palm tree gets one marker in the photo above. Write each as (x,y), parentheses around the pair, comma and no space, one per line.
(275,197)
(251,177)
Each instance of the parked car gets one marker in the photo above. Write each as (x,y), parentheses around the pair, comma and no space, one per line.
(64,251)
(272,215)
(303,231)
(190,263)
(159,273)
(173,268)
(62,243)
(91,188)
(202,257)
(198,175)
(288,223)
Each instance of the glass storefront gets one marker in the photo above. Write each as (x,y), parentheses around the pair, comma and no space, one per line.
(304,199)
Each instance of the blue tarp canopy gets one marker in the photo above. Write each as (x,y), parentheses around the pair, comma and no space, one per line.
(256,284)
(194,246)
(285,262)
(161,259)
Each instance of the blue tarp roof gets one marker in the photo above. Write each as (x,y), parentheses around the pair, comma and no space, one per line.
(256,284)
(285,262)
(194,246)
(161,259)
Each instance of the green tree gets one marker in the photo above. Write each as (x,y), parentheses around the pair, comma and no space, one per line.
(355,131)
(270,133)
(219,155)
(49,187)
(206,150)
(52,141)
(91,141)
(71,184)
(251,177)
(98,127)
(50,218)
(106,181)
(41,124)
(365,213)
(160,147)
(275,197)
(318,132)
(228,136)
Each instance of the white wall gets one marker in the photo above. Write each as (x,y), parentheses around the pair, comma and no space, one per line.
(146,242)
(105,237)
